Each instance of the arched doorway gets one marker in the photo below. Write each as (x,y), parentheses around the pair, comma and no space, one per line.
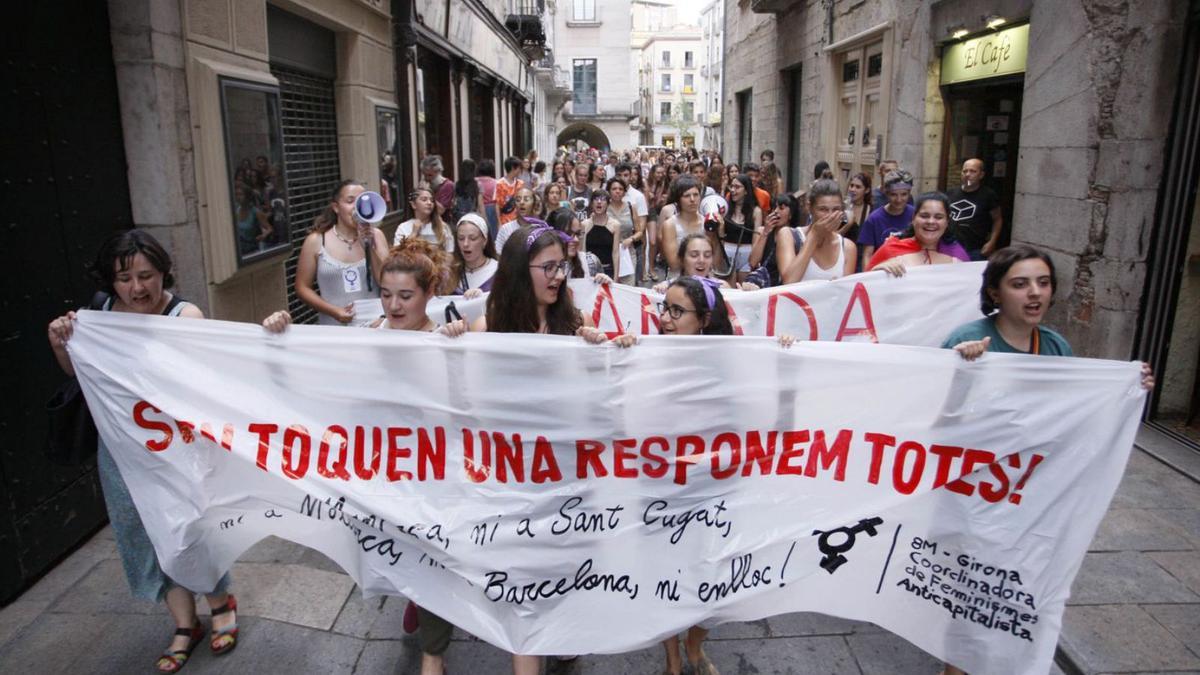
(579,135)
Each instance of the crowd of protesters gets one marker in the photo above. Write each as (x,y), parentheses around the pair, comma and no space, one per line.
(688,223)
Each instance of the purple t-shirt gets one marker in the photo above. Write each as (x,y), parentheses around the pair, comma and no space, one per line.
(880,225)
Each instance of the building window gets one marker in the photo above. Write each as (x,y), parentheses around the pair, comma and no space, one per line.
(583,101)
(860,115)
(687,110)
(583,10)
(689,84)
(666,82)
(664,111)
(689,61)
(745,99)
(666,59)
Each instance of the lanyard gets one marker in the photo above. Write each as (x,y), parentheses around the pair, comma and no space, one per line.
(1035,342)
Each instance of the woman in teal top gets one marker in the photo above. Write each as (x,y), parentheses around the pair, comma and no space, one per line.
(1018,287)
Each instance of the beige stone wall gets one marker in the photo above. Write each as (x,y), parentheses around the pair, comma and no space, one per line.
(1099,86)
(229,37)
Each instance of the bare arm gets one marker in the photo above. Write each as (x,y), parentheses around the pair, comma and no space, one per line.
(761,233)
(799,264)
(867,252)
(850,253)
(669,246)
(994,237)
(306,275)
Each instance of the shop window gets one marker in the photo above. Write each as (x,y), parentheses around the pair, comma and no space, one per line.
(668,140)
(387,121)
(257,186)
(584,97)
(688,141)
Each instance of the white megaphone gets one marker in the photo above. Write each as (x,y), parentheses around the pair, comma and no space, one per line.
(369,208)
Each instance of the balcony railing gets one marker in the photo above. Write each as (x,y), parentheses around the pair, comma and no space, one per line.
(525,23)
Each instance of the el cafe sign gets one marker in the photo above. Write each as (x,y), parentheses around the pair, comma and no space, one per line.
(991,55)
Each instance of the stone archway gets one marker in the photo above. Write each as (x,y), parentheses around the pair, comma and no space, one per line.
(583,134)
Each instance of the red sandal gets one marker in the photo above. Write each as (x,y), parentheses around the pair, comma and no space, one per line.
(225,639)
(173,661)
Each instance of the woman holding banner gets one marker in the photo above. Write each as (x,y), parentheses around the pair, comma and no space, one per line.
(927,241)
(530,293)
(133,272)
(409,278)
(339,268)
(1018,287)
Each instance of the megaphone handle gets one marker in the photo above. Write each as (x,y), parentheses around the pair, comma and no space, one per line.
(367,257)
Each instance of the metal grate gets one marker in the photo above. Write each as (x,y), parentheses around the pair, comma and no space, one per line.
(310,157)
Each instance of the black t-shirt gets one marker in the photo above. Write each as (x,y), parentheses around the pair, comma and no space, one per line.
(971,215)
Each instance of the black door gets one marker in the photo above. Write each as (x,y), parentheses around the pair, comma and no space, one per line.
(65,190)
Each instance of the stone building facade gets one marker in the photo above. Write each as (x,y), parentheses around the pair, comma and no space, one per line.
(592,40)
(1091,129)
(1074,137)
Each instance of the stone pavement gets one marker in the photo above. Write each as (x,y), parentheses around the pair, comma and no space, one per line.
(1135,607)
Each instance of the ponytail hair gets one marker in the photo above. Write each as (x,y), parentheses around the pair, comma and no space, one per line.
(429,264)
(327,218)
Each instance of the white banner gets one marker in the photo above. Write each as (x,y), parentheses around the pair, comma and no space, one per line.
(920,308)
(553,497)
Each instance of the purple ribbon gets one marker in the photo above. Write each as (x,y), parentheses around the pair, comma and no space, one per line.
(709,285)
(539,228)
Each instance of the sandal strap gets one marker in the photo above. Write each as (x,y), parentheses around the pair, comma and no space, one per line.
(229,606)
(185,631)
(227,630)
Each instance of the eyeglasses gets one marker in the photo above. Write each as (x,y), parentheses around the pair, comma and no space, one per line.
(674,311)
(550,269)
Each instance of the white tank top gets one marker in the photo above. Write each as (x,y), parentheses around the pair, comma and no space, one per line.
(815,271)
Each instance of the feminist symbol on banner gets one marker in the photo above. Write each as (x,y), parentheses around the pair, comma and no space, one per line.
(833,552)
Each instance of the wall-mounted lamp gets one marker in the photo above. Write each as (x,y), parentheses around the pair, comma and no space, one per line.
(995,21)
(959,32)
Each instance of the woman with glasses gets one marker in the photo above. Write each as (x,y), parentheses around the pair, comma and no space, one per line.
(817,251)
(584,265)
(694,306)
(529,292)
(743,221)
